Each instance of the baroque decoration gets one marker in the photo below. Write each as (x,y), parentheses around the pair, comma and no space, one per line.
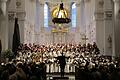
(60,15)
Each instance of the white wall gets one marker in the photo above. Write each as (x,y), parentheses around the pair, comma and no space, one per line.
(91,21)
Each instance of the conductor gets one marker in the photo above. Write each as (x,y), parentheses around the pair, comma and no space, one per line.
(62,62)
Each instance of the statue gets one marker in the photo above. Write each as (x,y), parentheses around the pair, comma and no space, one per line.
(110,41)
(3,6)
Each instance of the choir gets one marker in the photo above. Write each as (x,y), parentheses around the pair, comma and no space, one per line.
(32,59)
(47,54)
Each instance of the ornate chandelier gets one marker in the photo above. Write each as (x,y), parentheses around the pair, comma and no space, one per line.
(61,17)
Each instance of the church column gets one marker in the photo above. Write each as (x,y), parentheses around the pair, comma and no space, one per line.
(3,24)
(42,37)
(82,16)
(116,40)
(82,21)
(11,16)
(108,27)
(37,17)
(16,8)
(99,15)
(77,23)
(37,22)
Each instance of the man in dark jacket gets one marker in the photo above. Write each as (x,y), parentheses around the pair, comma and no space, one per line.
(62,63)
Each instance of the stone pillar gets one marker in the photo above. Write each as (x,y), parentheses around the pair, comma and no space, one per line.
(37,17)
(78,15)
(82,16)
(16,8)
(3,24)
(21,21)
(116,40)
(99,16)
(77,33)
(42,30)
(82,22)
(108,27)
(41,15)
(11,21)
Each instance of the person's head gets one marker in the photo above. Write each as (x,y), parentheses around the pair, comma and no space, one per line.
(62,54)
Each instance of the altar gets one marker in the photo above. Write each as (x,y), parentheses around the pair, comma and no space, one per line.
(59,35)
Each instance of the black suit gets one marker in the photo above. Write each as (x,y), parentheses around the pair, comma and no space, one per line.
(62,63)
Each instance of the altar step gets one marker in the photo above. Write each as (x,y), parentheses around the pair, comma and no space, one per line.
(60,78)
(58,73)
(57,76)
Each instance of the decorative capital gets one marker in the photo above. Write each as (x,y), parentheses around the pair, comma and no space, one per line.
(99,15)
(11,16)
(108,14)
(21,15)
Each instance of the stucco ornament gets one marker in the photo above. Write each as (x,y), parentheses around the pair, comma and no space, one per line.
(3,6)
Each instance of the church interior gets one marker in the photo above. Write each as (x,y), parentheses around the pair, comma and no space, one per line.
(59,39)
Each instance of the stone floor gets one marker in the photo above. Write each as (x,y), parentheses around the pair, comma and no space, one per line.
(50,76)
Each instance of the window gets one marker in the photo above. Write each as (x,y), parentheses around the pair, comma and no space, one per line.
(45,15)
(73,15)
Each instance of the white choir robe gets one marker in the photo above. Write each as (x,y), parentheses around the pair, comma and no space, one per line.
(59,68)
(51,68)
(67,54)
(52,65)
(72,66)
(56,67)
(47,68)
(67,67)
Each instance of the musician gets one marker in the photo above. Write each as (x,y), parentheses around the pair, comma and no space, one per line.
(62,61)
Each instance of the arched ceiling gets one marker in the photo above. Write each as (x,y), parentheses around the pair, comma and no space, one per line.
(59,1)
(64,1)
(53,3)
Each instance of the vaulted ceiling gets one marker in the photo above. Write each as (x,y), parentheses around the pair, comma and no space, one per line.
(53,3)
(59,1)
